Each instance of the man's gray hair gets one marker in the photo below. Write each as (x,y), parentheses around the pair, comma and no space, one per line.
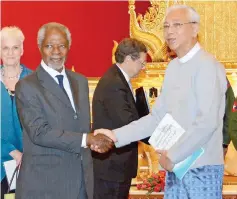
(42,30)
(194,16)
(12,32)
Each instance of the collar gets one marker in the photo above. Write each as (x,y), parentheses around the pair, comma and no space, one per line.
(51,71)
(190,54)
(124,73)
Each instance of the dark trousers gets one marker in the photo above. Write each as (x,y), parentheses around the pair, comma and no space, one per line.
(83,194)
(104,189)
(4,187)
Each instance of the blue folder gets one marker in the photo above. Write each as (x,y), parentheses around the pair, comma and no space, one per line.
(181,168)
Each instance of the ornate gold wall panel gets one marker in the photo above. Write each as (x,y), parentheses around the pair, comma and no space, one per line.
(218,27)
(218,30)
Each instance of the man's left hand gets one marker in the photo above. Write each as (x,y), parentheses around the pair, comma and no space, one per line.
(164,160)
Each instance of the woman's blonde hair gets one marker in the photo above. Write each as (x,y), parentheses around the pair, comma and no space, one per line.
(12,32)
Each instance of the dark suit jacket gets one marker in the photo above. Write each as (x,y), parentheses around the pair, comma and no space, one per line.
(113,107)
(52,136)
(230,118)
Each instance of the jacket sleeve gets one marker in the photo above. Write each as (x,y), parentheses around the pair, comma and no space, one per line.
(118,107)
(233,128)
(35,124)
(232,119)
(227,117)
(143,127)
(6,148)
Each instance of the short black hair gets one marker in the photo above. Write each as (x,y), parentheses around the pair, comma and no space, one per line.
(129,46)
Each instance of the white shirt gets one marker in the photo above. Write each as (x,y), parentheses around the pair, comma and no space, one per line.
(190,54)
(67,88)
(127,79)
(53,73)
(124,73)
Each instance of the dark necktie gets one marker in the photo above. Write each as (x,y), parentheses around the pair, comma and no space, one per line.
(60,82)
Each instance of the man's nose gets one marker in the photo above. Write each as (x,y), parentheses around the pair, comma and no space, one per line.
(56,50)
(170,30)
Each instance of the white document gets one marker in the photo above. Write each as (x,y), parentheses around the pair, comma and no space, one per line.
(10,167)
(166,133)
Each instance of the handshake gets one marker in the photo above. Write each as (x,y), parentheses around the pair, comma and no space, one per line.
(101,140)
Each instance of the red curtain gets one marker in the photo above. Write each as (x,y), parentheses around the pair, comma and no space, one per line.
(93,25)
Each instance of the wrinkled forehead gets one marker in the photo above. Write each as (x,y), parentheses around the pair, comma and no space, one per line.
(55,35)
(177,15)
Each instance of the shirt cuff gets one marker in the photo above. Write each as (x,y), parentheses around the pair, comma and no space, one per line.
(83,143)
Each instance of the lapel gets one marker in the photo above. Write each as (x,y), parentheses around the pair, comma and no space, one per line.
(49,84)
(74,88)
(121,76)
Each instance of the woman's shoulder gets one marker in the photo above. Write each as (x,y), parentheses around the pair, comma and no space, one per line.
(25,71)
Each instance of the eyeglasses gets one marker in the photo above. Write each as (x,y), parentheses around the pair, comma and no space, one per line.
(142,63)
(176,26)
(137,59)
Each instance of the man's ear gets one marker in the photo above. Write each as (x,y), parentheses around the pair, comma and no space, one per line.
(127,58)
(39,48)
(195,29)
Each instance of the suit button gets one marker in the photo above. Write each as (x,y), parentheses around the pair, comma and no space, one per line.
(75,117)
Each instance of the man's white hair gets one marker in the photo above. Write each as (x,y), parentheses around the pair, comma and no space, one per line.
(12,32)
(42,30)
(194,16)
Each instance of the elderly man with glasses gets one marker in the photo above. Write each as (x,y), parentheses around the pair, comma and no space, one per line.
(194,94)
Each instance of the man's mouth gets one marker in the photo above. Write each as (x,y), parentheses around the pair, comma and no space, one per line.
(171,40)
(56,59)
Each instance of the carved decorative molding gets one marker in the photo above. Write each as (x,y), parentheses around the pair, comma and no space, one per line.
(218,27)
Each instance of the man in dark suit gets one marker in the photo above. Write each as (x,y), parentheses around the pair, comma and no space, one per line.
(113,107)
(230,119)
(53,106)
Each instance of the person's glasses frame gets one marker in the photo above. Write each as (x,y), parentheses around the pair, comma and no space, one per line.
(137,59)
(176,25)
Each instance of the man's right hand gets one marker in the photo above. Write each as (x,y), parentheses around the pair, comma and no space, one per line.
(99,143)
(107,133)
